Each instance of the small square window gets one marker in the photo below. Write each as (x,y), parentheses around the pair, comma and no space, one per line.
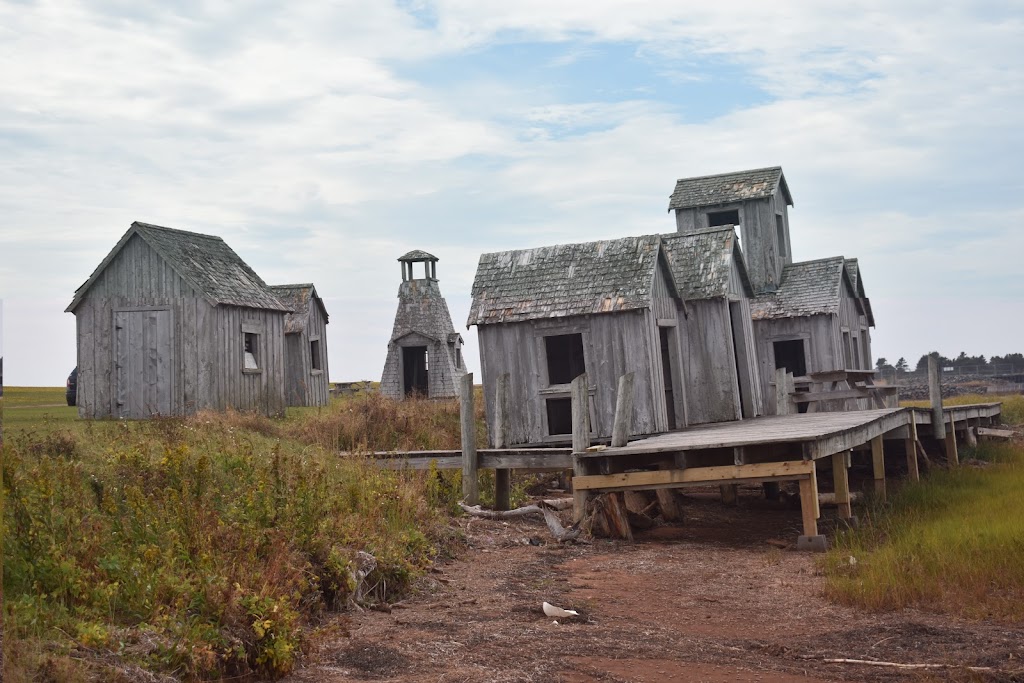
(565,357)
(314,354)
(251,348)
(717,218)
(559,416)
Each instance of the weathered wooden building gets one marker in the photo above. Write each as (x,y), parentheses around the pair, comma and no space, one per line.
(755,202)
(305,345)
(817,321)
(425,351)
(546,315)
(718,349)
(172,322)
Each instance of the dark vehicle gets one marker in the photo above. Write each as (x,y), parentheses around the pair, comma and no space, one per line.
(72,394)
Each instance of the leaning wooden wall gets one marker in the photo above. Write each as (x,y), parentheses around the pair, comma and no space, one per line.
(709,364)
(613,345)
(821,345)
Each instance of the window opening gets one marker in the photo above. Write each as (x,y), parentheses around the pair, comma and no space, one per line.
(790,355)
(559,416)
(251,346)
(314,354)
(717,218)
(780,234)
(565,357)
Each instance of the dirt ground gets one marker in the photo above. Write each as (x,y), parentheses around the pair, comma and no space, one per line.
(710,599)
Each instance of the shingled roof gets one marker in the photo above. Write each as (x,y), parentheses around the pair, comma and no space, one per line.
(564,280)
(297,298)
(206,262)
(418,255)
(807,288)
(724,188)
(701,262)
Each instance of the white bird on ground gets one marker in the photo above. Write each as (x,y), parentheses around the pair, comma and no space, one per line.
(552,611)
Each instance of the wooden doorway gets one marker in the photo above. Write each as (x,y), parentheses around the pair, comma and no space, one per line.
(143,363)
(667,365)
(414,370)
(742,355)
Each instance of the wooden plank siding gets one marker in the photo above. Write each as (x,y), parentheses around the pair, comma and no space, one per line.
(205,342)
(304,385)
(709,363)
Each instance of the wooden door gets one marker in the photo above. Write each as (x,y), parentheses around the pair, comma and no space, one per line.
(665,334)
(143,355)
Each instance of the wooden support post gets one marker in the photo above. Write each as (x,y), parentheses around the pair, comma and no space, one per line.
(878,465)
(502,476)
(970,435)
(952,455)
(841,479)
(910,444)
(580,440)
(671,510)
(935,393)
(782,400)
(470,485)
(623,411)
(807,506)
(730,493)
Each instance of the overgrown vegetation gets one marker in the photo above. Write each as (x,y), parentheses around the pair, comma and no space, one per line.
(953,543)
(206,547)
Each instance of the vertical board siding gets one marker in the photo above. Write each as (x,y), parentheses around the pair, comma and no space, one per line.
(709,364)
(189,345)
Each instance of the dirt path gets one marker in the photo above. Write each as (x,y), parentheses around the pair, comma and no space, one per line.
(709,600)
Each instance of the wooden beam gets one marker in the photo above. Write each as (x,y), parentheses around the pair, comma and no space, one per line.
(952,455)
(730,494)
(910,444)
(878,465)
(782,401)
(841,480)
(623,411)
(809,396)
(467,418)
(991,433)
(790,469)
(502,476)
(580,442)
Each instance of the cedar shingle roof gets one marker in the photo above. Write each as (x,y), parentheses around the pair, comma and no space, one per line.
(297,298)
(724,188)
(204,261)
(564,280)
(418,255)
(701,262)
(807,288)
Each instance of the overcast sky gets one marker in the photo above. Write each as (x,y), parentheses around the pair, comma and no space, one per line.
(322,140)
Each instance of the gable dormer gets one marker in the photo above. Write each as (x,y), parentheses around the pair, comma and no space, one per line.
(756,203)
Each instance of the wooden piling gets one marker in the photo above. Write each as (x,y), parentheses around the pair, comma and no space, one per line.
(502,476)
(841,479)
(952,455)
(623,411)
(470,486)
(580,440)
(808,505)
(783,401)
(910,444)
(878,465)
(935,394)
(730,494)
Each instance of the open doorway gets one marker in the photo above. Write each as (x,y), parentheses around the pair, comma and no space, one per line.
(668,363)
(414,370)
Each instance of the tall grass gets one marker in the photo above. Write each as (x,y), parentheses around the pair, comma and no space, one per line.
(953,543)
(203,547)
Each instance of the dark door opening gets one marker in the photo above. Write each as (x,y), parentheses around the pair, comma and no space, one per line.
(559,415)
(414,364)
(666,371)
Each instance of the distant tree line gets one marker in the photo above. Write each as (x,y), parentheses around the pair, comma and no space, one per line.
(1011,362)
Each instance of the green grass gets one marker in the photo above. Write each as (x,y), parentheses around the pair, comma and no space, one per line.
(953,543)
(206,547)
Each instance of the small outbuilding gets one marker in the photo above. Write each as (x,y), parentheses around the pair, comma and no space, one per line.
(546,315)
(718,348)
(305,345)
(817,321)
(424,352)
(172,322)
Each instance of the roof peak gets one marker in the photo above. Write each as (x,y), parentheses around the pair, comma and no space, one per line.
(153,226)
(418,255)
(728,173)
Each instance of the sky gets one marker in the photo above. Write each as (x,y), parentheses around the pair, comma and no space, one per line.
(324,139)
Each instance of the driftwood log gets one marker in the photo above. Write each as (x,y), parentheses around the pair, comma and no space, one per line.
(546,508)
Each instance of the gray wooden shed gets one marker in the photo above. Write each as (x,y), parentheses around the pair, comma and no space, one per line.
(546,315)
(756,202)
(719,353)
(818,320)
(424,352)
(172,322)
(305,345)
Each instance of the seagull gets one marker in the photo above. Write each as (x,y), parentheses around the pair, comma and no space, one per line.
(552,611)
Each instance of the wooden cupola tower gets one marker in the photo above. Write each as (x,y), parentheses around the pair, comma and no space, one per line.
(425,351)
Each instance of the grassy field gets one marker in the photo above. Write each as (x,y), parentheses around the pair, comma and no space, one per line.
(953,543)
(206,547)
